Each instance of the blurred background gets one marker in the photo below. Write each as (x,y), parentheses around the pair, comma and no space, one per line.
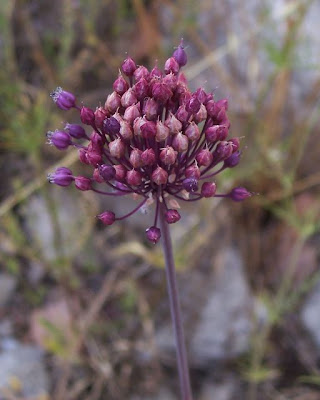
(83,308)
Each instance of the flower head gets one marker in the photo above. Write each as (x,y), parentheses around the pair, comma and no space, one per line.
(153,138)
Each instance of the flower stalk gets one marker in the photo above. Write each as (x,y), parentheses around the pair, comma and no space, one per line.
(175,309)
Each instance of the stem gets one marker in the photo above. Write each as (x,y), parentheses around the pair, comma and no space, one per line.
(175,308)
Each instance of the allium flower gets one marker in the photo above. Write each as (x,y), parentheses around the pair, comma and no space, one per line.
(153,138)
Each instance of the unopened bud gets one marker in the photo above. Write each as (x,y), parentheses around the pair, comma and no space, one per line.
(180,55)
(182,114)
(61,177)
(131,113)
(113,102)
(193,172)
(172,216)
(180,142)
(117,148)
(133,178)
(153,234)
(121,172)
(128,98)
(239,194)
(60,139)
(82,183)
(120,85)
(125,130)
(208,189)
(171,65)
(148,157)
(233,160)
(149,130)
(99,116)
(107,217)
(162,132)
(159,176)
(201,114)
(161,92)
(141,73)
(135,158)
(128,66)
(111,126)
(63,99)
(193,105)
(168,156)
(190,184)
(87,116)
(150,109)
(173,124)
(192,132)
(141,89)
(204,157)
(75,131)
(107,172)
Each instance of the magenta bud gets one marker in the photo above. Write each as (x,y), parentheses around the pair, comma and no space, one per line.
(190,184)
(96,142)
(239,194)
(216,132)
(204,157)
(128,66)
(159,176)
(133,178)
(153,234)
(162,132)
(107,172)
(168,156)
(141,89)
(121,172)
(212,108)
(87,116)
(107,217)
(223,103)
(148,157)
(61,177)
(75,131)
(233,160)
(83,156)
(171,65)
(128,98)
(150,109)
(125,130)
(161,92)
(171,81)
(135,158)
(141,73)
(60,139)
(180,142)
(173,124)
(117,148)
(120,85)
(201,95)
(193,105)
(93,157)
(235,143)
(223,151)
(131,113)
(82,183)
(111,126)
(201,114)
(180,55)
(193,172)
(63,99)
(156,72)
(99,116)
(182,114)
(192,132)
(148,130)
(172,216)
(113,102)
(208,189)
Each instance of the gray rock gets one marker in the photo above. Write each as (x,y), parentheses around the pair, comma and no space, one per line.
(8,284)
(26,364)
(310,314)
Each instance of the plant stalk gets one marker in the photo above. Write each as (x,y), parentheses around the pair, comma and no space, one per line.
(175,308)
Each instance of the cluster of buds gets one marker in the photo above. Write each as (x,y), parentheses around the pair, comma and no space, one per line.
(153,138)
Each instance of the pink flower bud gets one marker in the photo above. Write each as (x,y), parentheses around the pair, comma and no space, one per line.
(193,172)
(168,156)
(96,176)
(171,81)
(126,130)
(223,103)
(193,105)
(82,183)
(131,113)
(150,109)
(204,157)
(83,156)
(173,124)
(133,178)
(87,116)
(120,85)
(212,109)
(121,172)
(162,132)
(171,65)
(201,95)
(148,157)
(172,216)
(201,114)
(113,102)
(159,176)
(208,189)
(161,92)
(141,89)
(111,126)
(137,124)
(135,158)
(93,157)
(117,148)
(182,114)
(180,142)
(216,132)
(141,73)
(99,116)
(149,130)
(128,98)
(192,132)
(222,151)
(128,66)
(156,72)
(107,217)
(235,142)
(153,234)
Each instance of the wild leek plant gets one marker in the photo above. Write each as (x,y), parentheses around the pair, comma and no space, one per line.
(157,140)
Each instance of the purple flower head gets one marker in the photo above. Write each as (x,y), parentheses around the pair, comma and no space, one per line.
(153,139)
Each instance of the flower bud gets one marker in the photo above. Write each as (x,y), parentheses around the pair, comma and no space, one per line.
(96,142)
(125,130)
(172,216)
(216,132)
(193,172)
(192,132)
(182,114)
(171,65)
(121,172)
(107,217)
(87,116)
(162,132)
(150,109)
(233,160)
(185,97)
(171,81)
(120,85)
(235,142)
(75,131)
(239,194)
(131,113)
(180,143)
(133,178)
(82,183)
(99,116)
(212,109)
(173,124)
(60,139)
(128,98)
(201,95)
(128,66)
(141,89)
(156,72)
(63,99)
(180,55)
(141,73)
(222,151)
(201,114)
(193,105)
(168,156)
(208,189)
(107,172)
(204,157)
(111,126)
(190,184)
(148,157)
(83,156)
(137,124)
(113,102)
(117,148)
(223,103)
(161,92)
(93,157)
(135,158)
(159,176)
(153,234)
(149,130)
(61,177)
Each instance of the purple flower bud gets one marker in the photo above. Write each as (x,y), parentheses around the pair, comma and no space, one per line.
(131,113)
(212,109)
(180,142)
(63,99)
(107,172)
(99,116)
(208,189)
(96,176)
(148,157)
(182,114)
(162,132)
(128,66)
(153,234)
(222,151)
(173,124)
(121,172)
(233,160)
(133,178)
(172,216)
(107,217)
(239,194)
(192,132)
(161,92)
(180,55)
(87,116)
(201,114)
(96,142)
(171,65)
(190,184)
(216,132)
(148,130)
(60,139)
(223,103)
(120,85)
(82,183)
(168,156)
(235,142)
(141,89)
(113,102)
(62,177)
(126,130)
(204,157)
(83,156)
(171,81)
(128,98)
(201,95)
(117,148)
(193,105)
(193,172)
(156,72)
(111,126)
(75,131)
(150,109)
(135,158)
(141,73)
(93,157)
(159,176)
